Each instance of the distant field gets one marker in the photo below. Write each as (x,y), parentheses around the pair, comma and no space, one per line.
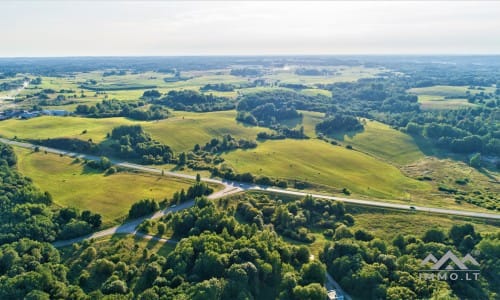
(449,91)
(447,97)
(384,142)
(319,162)
(73,185)
(314,92)
(344,73)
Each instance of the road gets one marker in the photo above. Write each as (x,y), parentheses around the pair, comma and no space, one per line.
(230,187)
(331,284)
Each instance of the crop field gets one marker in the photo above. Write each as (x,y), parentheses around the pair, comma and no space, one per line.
(383,142)
(73,185)
(318,162)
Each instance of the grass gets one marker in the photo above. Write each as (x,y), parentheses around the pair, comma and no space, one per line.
(387,223)
(186,129)
(318,162)
(73,185)
(447,97)
(382,141)
(52,127)
(343,74)
(449,91)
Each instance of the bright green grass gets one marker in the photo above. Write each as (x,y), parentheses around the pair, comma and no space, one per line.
(73,185)
(186,129)
(53,127)
(319,162)
(384,142)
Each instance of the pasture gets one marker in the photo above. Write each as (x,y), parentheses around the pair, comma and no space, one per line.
(71,184)
(384,142)
(447,97)
(319,162)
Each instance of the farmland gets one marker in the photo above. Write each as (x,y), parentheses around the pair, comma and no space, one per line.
(73,185)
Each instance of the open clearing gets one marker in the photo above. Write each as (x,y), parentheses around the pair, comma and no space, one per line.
(387,223)
(57,127)
(318,162)
(181,132)
(74,185)
(186,129)
(447,97)
(383,142)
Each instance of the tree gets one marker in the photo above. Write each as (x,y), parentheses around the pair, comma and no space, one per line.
(313,291)
(313,272)
(434,235)
(400,292)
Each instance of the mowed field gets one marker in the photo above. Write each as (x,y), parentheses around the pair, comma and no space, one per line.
(73,185)
(319,162)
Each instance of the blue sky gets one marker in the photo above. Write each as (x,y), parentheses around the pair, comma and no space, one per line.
(92,28)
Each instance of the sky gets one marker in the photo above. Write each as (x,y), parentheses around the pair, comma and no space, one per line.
(143,28)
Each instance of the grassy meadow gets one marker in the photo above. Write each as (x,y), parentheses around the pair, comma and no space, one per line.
(318,162)
(54,127)
(387,223)
(73,185)
(384,142)
(185,129)
(447,97)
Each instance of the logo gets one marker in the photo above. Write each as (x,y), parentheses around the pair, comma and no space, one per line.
(450,267)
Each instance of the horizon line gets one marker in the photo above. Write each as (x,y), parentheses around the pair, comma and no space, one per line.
(253,55)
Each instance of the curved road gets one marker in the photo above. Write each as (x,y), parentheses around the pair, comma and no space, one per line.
(230,187)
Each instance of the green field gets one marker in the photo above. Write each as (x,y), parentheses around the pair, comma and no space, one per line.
(387,223)
(343,74)
(73,185)
(319,162)
(181,132)
(186,129)
(53,127)
(449,91)
(447,97)
(383,142)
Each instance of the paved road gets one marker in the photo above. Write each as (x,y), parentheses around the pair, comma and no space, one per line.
(230,187)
